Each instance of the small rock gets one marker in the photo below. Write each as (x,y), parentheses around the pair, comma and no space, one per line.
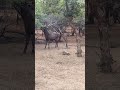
(65,53)
(59,63)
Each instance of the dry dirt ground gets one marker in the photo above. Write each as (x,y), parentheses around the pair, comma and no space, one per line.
(102,81)
(16,69)
(54,71)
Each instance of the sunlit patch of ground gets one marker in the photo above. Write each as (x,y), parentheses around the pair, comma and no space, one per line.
(55,71)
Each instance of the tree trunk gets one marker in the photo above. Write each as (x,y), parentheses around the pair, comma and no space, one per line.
(73,28)
(79,51)
(99,13)
(89,15)
(66,4)
(106,57)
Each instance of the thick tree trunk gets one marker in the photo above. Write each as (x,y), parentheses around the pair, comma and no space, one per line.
(99,12)
(106,57)
(89,15)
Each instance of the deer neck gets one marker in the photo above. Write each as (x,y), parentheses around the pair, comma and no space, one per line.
(46,33)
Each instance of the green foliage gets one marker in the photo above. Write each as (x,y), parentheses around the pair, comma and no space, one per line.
(60,9)
(73,8)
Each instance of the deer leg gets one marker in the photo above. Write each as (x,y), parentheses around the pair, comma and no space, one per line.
(60,38)
(46,43)
(56,45)
(73,32)
(66,45)
(65,41)
(27,42)
(79,31)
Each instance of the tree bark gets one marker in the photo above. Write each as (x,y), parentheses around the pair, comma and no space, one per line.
(79,50)
(102,22)
(78,40)
(106,57)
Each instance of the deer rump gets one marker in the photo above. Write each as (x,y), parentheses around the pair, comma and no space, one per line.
(52,37)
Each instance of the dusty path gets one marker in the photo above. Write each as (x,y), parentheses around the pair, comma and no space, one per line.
(55,71)
(104,81)
(16,69)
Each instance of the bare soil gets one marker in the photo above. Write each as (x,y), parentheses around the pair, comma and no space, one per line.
(98,80)
(55,71)
(16,68)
